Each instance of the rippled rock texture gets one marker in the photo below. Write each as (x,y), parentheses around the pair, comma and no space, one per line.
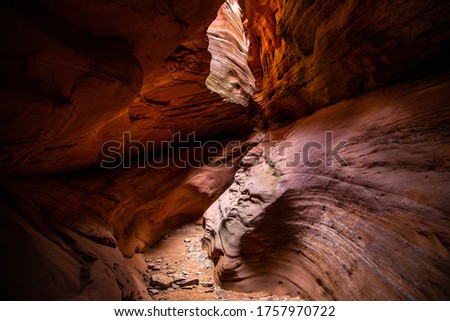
(376,226)
(373,225)
(66,237)
(76,76)
(230,74)
(309,54)
(73,77)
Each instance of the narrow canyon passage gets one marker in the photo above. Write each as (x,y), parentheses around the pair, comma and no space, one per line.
(225,150)
(178,268)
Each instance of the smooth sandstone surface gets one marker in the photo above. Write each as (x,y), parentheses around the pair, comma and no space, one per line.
(372,225)
(375,74)
(76,76)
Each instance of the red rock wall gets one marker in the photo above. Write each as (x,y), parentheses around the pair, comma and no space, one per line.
(76,76)
(74,230)
(309,54)
(375,228)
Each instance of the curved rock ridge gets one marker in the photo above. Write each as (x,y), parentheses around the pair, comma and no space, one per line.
(77,230)
(77,76)
(309,54)
(58,84)
(373,225)
(230,75)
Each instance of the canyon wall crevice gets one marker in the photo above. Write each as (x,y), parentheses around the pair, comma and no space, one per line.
(77,228)
(78,76)
(75,76)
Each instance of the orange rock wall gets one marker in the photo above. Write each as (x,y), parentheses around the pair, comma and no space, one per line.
(309,54)
(77,76)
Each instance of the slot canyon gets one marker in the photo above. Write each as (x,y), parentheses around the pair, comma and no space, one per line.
(293,149)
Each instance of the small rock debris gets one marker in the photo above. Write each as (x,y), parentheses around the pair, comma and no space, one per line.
(169,277)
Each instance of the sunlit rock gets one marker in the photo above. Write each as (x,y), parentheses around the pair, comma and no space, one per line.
(230,74)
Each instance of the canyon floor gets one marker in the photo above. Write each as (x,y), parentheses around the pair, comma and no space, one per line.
(180,257)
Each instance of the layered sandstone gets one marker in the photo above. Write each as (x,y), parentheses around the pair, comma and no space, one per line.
(376,225)
(74,230)
(74,77)
(371,224)
(77,76)
(309,54)
(230,75)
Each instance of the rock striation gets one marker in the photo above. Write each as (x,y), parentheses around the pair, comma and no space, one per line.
(77,228)
(306,55)
(230,75)
(361,215)
(76,76)
(73,78)
(372,224)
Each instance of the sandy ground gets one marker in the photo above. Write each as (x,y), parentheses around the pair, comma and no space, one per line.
(180,256)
